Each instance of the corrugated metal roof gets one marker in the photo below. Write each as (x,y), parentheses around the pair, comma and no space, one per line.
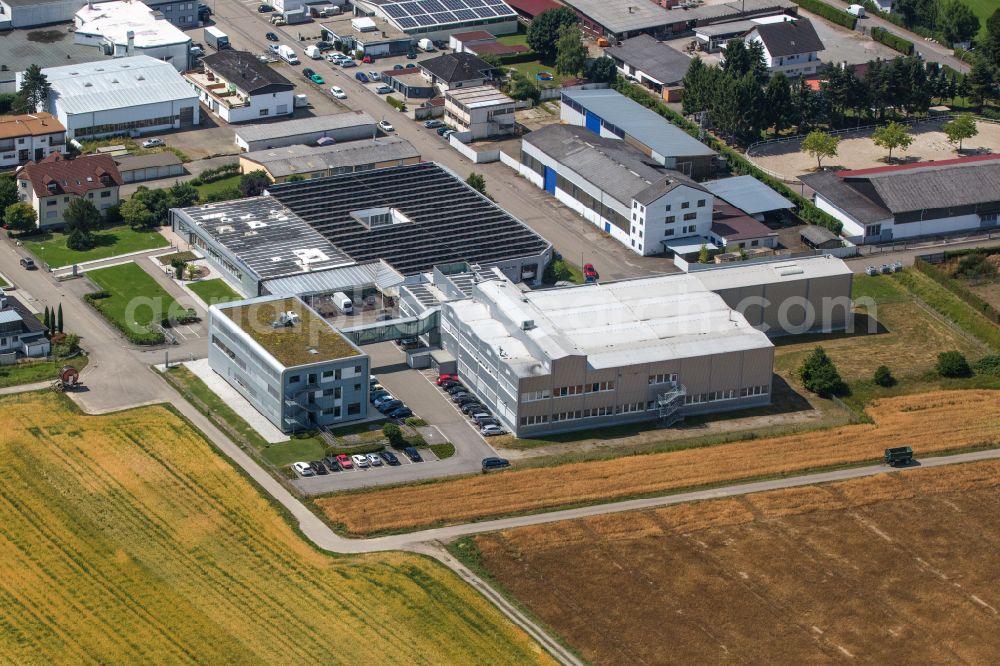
(288,160)
(377,273)
(305,126)
(116,84)
(748,194)
(650,128)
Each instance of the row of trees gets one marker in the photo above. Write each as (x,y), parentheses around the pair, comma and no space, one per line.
(743,101)
(951,20)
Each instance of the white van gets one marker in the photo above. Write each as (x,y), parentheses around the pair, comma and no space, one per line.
(313,52)
(425,45)
(341,300)
(856,10)
(288,55)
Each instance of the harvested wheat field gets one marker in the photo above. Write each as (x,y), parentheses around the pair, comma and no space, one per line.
(929,422)
(127,539)
(893,569)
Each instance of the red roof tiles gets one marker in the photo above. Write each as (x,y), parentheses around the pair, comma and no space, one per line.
(917,165)
(58,175)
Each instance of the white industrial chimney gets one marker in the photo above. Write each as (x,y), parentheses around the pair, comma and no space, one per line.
(130,49)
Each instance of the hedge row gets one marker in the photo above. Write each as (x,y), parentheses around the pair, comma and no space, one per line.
(218,173)
(514,58)
(956,287)
(892,40)
(189,317)
(396,103)
(135,337)
(829,12)
(738,164)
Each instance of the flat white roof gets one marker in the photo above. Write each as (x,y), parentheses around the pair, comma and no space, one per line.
(771,272)
(115,19)
(478,97)
(617,324)
(116,84)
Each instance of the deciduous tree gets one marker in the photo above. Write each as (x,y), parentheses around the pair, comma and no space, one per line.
(81,219)
(957,22)
(961,128)
(571,54)
(892,136)
(254,183)
(543,33)
(820,144)
(602,70)
(20,217)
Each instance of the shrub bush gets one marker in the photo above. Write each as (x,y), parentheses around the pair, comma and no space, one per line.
(188,317)
(883,376)
(394,435)
(892,40)
(514,58)
(953,364)
(988,365)
(819,375)
(397,104)
(829,12)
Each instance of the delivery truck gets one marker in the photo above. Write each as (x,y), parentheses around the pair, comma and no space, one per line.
(217,39)
(287,54)
(342,301)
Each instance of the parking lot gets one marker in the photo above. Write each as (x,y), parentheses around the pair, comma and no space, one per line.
(447,424)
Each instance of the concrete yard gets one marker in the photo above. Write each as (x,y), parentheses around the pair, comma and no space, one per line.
(237,402)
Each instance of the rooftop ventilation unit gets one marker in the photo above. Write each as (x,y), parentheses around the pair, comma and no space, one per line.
(285,320)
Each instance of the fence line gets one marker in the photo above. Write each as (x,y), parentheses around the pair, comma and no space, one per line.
(847,130)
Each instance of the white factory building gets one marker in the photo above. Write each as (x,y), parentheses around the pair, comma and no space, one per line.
(123,29)
(124,96)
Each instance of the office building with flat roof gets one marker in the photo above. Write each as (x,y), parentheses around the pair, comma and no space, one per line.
(293,366)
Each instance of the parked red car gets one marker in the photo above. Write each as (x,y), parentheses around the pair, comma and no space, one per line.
(589,273)
(367,60)
(444,378)
(345,461)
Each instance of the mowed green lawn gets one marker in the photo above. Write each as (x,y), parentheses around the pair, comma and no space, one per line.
(36,371)
(218,186)
(136,298)
(51,247)
(214,291)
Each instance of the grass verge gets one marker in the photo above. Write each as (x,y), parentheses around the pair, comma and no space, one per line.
(208,189)
(951,306)
(443,450)
(37,371)
(51,247)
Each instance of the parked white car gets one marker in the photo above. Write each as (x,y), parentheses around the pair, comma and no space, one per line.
(303,469)
(359,460)
(385,398)
(386,126)
(153,143)
(338,92)
(490,430)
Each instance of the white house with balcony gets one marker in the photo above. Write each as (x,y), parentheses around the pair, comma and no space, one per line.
(237,87)
(29,137)
(790,46)
(483,110)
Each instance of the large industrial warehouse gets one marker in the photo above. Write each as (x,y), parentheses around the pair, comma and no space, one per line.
(594,355)
(652,348)
(323,235)
(414,217)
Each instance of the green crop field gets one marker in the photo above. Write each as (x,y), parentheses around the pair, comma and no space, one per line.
(51,247)
(126,538)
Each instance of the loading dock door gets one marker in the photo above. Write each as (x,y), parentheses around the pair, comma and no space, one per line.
(550,181)
(593,123)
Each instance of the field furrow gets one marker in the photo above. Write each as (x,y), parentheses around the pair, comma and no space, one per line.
(126,538)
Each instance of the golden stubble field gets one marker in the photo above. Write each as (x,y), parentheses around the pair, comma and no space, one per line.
(127,539)
(893,569)
(929,422)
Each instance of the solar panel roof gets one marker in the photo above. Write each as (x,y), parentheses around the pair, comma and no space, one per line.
(443,219)
(412,13)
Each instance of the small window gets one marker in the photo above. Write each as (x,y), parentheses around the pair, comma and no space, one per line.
(293,379)
(668,207)
(669,219)
(105,194)
(690,216)
(354,408)
(264,112)
(701,203)
(685,204)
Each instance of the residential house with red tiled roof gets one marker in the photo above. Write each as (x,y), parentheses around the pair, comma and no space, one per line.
(51,184)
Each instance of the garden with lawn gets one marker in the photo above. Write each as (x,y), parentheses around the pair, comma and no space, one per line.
(132,300)
(29,372)
(51,247)
(206,190)
(214,291)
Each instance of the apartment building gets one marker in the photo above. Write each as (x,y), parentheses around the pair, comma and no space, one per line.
(51,184)
(482,111)
(29,137)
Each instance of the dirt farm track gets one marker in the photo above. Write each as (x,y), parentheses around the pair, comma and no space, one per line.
(858,151)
